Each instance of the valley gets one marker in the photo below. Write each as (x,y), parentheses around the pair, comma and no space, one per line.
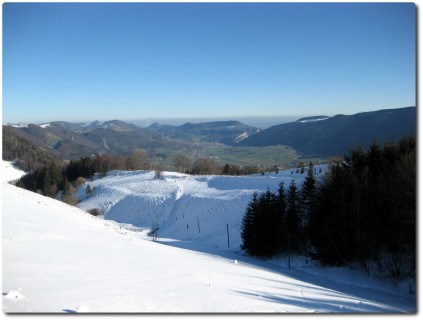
(227,142)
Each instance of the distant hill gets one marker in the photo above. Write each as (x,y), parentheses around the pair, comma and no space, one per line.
(115,125)
(67,140)
(318,136)
(27,155)
(227,132)
(327,136)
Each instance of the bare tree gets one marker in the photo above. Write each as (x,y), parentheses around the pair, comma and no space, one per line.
(138,160)
(158,171)
(183,164)
(206,166)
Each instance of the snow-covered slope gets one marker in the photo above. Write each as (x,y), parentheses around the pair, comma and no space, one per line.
(57,258)
(185,207)
(9,172)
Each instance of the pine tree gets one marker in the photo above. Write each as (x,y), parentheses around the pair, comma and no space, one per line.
(308,195)
(247,227)
(261,225)
(269,225)
(281,211)
(293,216)
(52,179)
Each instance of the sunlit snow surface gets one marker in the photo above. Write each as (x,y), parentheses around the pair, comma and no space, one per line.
(57,258)
(9,172)
(185,207)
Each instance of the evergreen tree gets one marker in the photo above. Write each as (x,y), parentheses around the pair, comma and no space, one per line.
(307,194)
(281,210)
(270,224)
(261,225)
(330,229)
(248,235)
(364,210)
(293,216)
(53,179)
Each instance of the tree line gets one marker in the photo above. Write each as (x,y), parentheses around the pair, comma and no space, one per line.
(56,175)
(363,213)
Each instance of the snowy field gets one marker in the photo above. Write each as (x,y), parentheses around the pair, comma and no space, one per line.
(199,209)
(57,258)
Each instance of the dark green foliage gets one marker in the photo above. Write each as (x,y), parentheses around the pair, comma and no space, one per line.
(83,167)
(329,231)
(293,221)
(261,225)
(53,180)
(47,181)
(308,195)
(33,181)
(247,226)
(364,211)
(367,209)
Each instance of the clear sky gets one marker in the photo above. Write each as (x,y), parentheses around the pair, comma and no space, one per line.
(102,61)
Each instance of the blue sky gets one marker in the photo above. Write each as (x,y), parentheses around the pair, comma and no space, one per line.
(102,61)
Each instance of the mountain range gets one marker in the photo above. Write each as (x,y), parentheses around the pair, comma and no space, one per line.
(318,136)
(324,136)
(226,132)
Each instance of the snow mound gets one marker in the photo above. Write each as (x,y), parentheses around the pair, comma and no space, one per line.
(14,295)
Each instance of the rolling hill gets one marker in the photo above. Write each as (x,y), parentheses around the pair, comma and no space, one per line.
(328,136)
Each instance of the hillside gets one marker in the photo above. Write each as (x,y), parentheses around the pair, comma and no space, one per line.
(57,258)
(335,135)
(226,132)
(75,140)
(29,155)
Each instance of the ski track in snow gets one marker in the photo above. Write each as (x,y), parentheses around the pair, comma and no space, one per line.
(58,258)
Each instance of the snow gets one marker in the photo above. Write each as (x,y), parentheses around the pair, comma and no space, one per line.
(58,258)
(241,137)
(9,172)
(45,125)
(313,120)
(14,295)
(185,207)
(20,125)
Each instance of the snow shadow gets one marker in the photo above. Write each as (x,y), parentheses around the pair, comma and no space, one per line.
(368,295)
(313,304)
(69,311)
